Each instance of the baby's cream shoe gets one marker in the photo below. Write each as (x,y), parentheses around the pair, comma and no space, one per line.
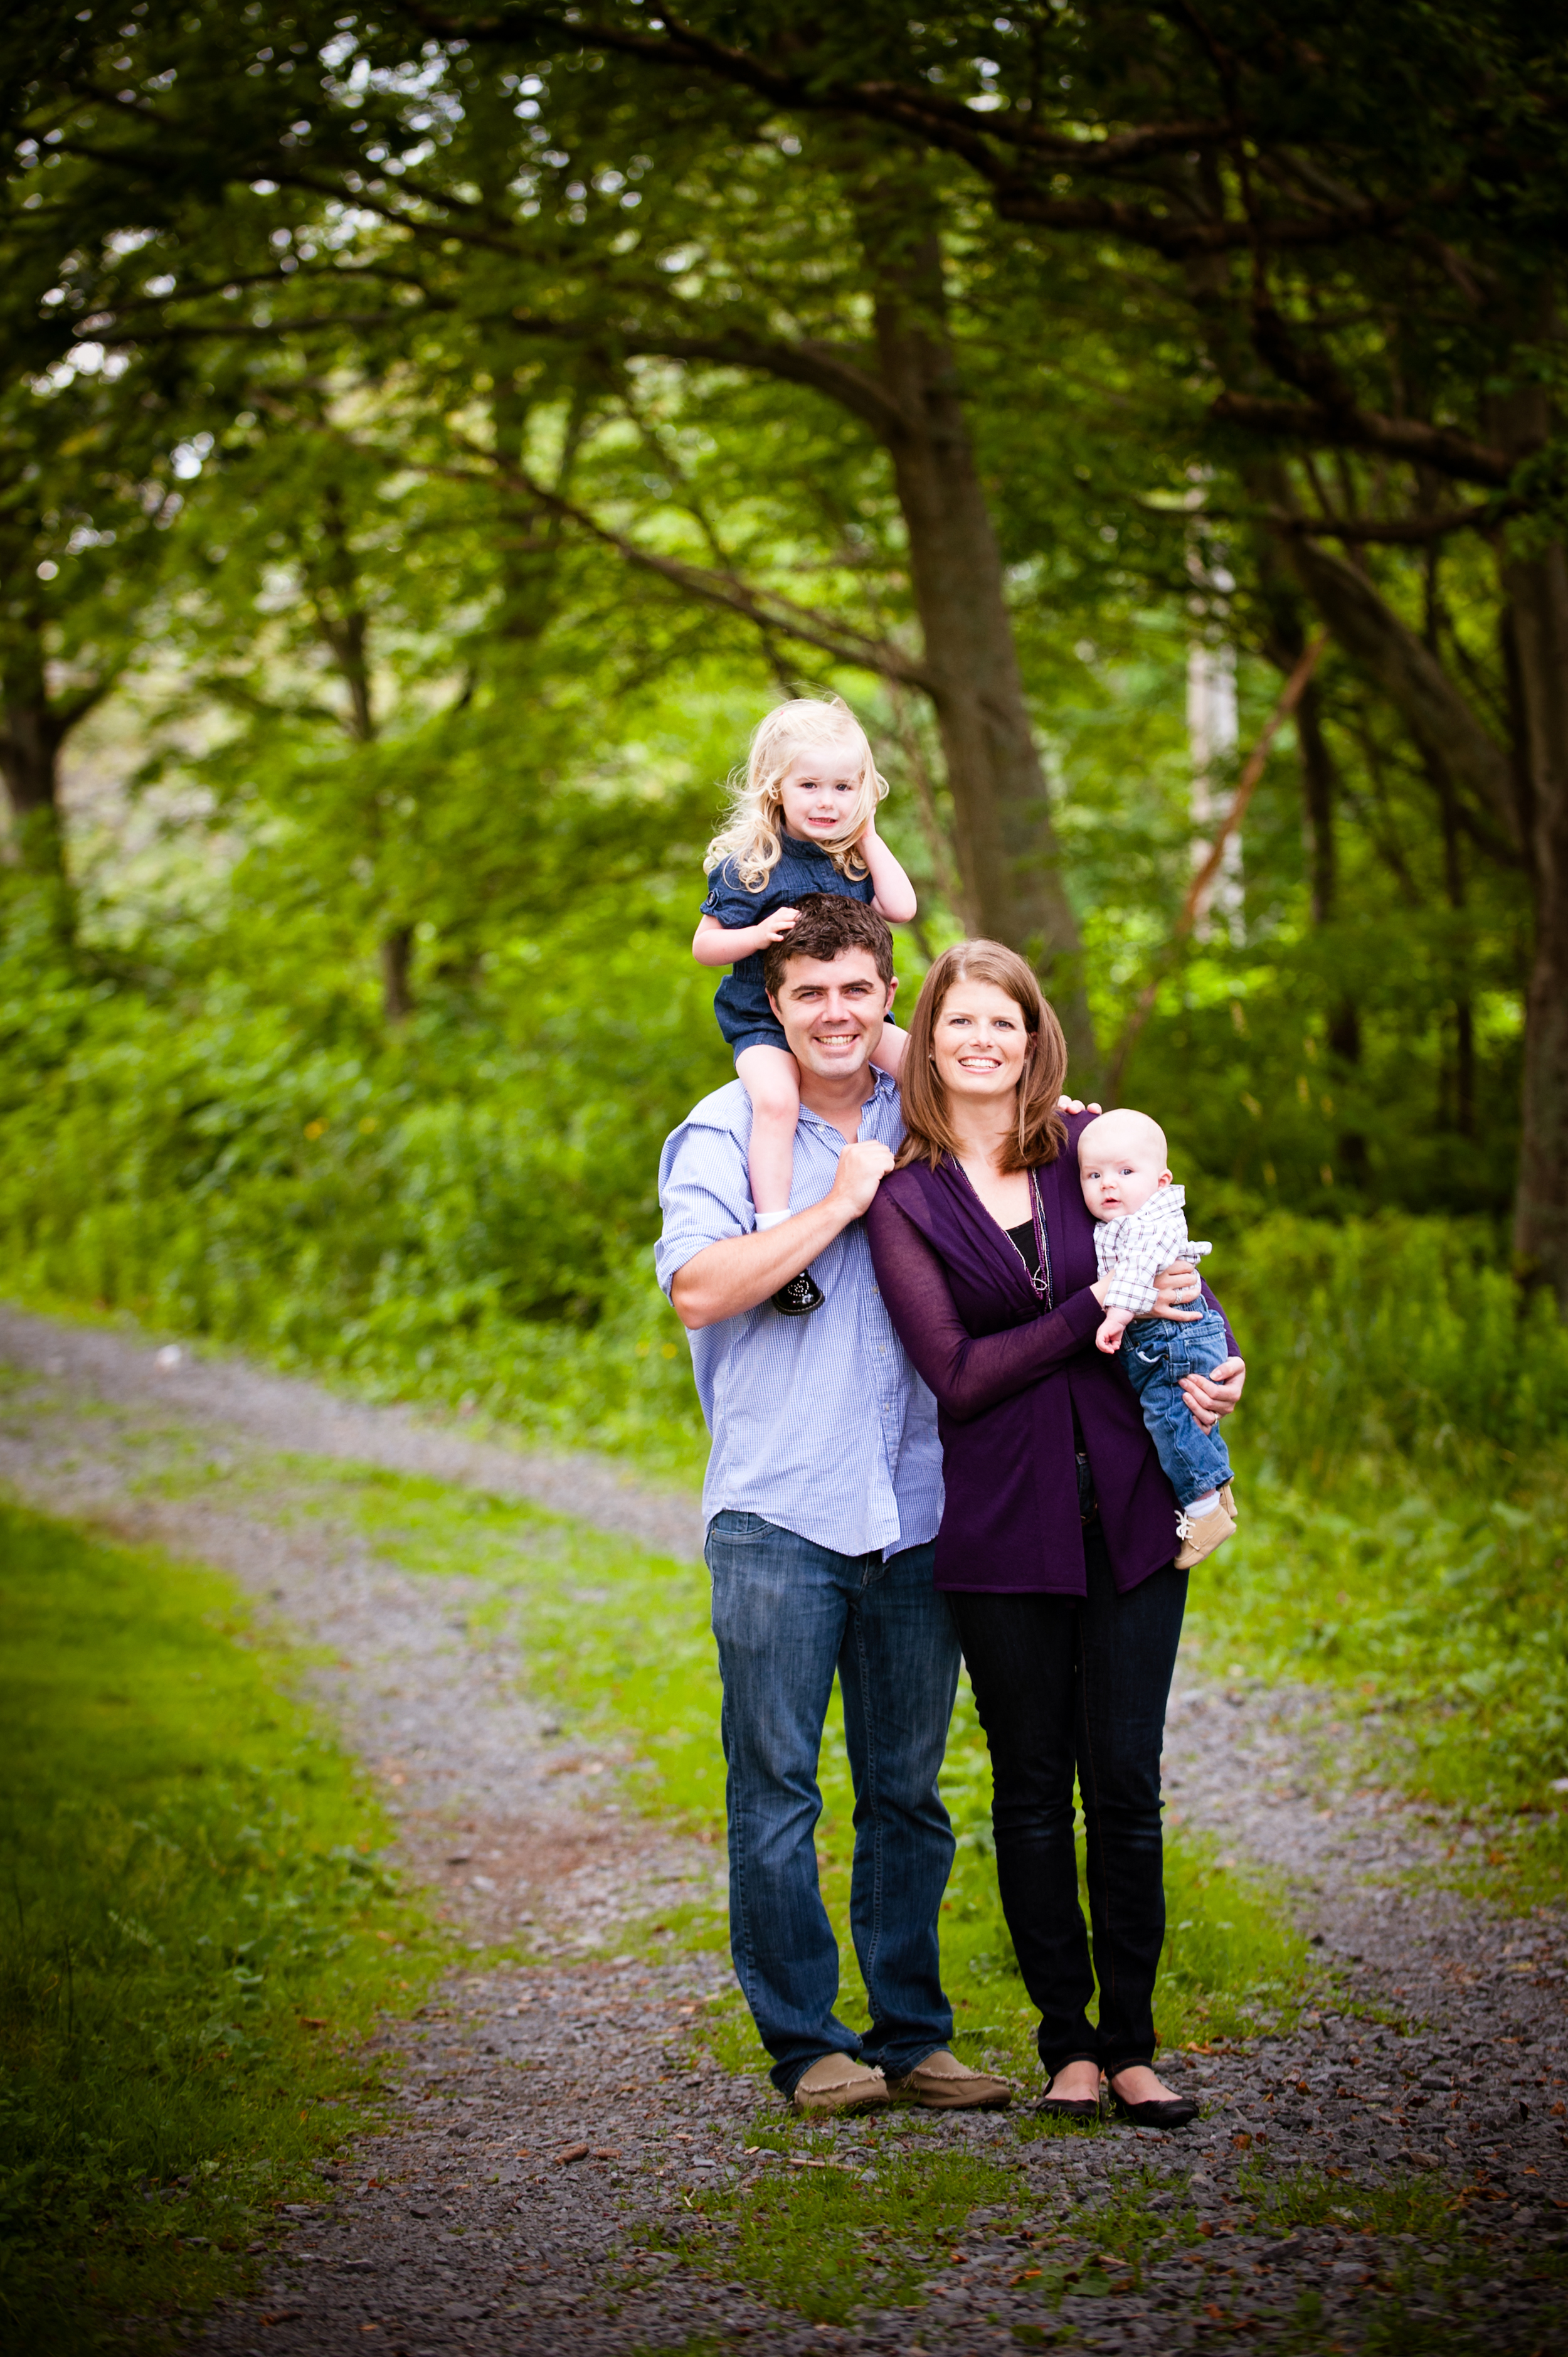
(1200,1538)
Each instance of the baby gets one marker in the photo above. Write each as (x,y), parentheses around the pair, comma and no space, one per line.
(1143,1229)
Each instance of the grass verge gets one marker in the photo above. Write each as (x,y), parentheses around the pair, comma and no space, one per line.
(197,1933)
(1431,1611)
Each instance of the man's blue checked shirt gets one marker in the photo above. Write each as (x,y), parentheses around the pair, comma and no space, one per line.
(818,1424)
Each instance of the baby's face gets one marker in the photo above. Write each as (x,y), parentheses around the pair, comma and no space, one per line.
(1119,1174)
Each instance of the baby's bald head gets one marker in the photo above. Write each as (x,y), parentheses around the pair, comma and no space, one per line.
(1121,1162)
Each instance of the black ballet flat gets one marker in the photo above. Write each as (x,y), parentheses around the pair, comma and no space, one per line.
(800,1297)
(1172,2111)
(1070,2107)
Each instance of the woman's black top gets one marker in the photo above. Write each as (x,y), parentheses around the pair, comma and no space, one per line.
(1028,1245)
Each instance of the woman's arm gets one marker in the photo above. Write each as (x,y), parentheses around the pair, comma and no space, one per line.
(967,1372)
(895,893)
(717,944)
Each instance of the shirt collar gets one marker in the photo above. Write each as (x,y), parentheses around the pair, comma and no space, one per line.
(882,1092)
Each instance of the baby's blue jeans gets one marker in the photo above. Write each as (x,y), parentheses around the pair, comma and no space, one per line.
(1156,1353)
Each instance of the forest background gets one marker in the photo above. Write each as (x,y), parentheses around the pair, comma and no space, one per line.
(432,440)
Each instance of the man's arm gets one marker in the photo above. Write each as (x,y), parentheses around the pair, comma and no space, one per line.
(727,1278)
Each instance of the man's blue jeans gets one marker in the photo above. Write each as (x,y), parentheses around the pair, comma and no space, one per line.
(1156,1352)
(787,1614)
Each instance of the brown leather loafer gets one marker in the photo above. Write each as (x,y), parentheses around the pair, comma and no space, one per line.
(943,2084)
(839,2084)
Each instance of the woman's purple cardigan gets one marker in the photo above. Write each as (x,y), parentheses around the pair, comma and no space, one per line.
(1007,1376)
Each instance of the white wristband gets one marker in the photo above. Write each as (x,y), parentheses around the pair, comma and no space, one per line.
(766,1220)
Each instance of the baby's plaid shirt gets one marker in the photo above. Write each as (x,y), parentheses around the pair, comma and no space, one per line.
(1132,1250)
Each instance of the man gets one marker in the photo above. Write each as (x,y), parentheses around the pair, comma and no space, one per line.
(823,1496)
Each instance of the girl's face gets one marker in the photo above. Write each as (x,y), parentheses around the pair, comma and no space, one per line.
(981,1043)
(820,791)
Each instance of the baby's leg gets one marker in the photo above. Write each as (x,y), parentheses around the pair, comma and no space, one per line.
(888,1053)
(1157,1355)
(771,1079)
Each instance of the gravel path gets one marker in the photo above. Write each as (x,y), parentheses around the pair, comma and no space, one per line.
(108,1365)
(1392,2173)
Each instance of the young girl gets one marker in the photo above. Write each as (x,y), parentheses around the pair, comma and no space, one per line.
(804,821)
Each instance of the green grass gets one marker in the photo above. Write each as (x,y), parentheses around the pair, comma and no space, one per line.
(1430,1610)
(825,2240)
(195,1933)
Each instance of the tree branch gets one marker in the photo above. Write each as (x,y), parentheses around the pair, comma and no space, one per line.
(1445,453)
(768,610)
(996,145)
(817,366)
(1410,675)
(1402,531)
(1198,891)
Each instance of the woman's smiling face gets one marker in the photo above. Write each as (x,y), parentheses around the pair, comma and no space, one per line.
(981,1043)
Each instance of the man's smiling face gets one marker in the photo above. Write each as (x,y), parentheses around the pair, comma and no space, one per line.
(831,1010)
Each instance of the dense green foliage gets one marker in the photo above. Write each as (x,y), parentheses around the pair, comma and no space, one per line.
(439,475)
(198,1929)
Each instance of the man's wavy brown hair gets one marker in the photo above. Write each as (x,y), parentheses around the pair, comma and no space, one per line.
(1040,1132)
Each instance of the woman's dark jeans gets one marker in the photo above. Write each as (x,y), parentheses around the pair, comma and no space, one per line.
(1067,1685)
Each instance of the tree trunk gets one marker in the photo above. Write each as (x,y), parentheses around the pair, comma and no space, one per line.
(1319,796)
(1528,798)
(1415,682)
(1317,783)
(397,973)
(31,734)
(1536,587)
(1008,855)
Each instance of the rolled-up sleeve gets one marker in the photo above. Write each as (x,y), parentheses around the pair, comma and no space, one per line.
(704,1194)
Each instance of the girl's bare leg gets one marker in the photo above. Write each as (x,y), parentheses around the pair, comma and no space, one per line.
(771,1079)
(888,1053)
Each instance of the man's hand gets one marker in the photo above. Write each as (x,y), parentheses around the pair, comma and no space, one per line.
(774,928)
(861,1168)
(741,1272)
(1178,1292)
(1212,1396)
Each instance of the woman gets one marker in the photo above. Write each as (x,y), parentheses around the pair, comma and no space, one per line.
(1058,1531)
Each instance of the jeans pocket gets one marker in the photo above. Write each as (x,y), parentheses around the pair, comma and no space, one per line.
(733,1522)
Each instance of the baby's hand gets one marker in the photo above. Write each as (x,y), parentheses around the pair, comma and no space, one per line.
(1109,1338)
(774,928)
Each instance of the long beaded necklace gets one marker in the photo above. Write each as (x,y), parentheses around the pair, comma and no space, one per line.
(1040,1278)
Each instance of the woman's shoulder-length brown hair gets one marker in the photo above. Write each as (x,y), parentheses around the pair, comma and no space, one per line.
(1040,1132)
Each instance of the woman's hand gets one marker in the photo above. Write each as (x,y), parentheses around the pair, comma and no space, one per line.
(1178,1291)
(1212,1396)
(1075,1105)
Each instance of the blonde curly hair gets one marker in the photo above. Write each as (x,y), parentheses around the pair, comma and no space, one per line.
(751,836)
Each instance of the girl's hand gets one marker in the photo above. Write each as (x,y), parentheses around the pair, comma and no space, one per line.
(774,928)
